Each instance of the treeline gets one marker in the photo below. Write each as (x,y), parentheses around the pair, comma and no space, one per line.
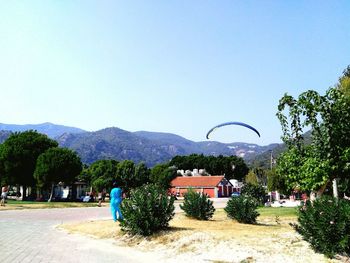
(126,174)
(31,159)
(129,175)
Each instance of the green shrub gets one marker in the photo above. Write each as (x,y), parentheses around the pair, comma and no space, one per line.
(325,224)
(198,206)
(256,191)
(243,209)
(148,210)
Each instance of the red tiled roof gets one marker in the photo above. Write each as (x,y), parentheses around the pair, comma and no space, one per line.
(196,181)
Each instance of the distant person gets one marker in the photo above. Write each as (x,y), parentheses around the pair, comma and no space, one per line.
(4,191)
(116,200)
(99,196)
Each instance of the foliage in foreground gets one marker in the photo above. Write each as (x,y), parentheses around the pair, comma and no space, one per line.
(147,210)
(197,205)
(325,224)
(243,209)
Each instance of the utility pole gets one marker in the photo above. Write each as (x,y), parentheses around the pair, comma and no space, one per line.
(271,164)
(271,160)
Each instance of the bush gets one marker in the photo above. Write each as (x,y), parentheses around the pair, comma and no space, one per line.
(256,191)
(148,210)
(242,209)
(198,206)
(325,224)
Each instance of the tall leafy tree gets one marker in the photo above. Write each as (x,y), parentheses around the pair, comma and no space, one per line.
(57,165)
(18,156)
(125,175)
(276,182)
(251,178)
(101,174)
(344,82)
(162,175)
(142,175)
(261,175)
(313,167)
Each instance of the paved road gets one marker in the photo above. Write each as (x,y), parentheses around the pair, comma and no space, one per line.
(31,236)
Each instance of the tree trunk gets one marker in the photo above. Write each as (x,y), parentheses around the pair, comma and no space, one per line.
(51,194)
(24,195)
(321,190)
(335,188)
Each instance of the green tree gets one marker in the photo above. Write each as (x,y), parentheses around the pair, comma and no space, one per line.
(57,165)
(162,175)
(101,174)
(125,175)
(18,156)
(141,176)
(235,168)
(261,175)
(344,82)
(301,169)
(327,158)
(275,182)
(255,191)
(251,178)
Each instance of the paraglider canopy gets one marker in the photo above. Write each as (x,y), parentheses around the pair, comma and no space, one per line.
(232,123)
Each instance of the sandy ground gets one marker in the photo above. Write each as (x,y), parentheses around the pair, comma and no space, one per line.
(217,240)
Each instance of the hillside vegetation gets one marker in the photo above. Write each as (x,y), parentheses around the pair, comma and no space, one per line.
(142,146)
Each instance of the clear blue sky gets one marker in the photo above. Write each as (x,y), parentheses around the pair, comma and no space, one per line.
(169,66)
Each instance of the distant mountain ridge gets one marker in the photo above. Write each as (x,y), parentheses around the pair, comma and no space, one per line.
(141,146)
(50,129)
(185,146)
(114,143)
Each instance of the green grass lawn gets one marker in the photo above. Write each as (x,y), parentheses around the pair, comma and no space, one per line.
(278,211)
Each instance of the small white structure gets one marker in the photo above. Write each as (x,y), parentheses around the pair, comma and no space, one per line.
(236,184)
(194,172)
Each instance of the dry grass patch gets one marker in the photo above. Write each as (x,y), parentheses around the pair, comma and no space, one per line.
(217,240)
(103,229)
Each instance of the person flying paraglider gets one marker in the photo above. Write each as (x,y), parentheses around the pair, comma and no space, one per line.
(232,123)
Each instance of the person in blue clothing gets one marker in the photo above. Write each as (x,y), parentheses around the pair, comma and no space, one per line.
(116,200)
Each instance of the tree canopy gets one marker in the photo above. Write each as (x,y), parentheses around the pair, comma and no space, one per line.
(18,156)
(57,165)
(312,167)
(162,175)
(101,174)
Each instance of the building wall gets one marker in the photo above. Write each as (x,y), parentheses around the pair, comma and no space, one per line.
(225,190)
(210,192)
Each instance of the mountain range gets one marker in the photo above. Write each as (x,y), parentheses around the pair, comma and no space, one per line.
(141,146)
(50,129)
